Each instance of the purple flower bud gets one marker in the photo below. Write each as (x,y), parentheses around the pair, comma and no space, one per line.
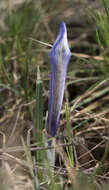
(60,56)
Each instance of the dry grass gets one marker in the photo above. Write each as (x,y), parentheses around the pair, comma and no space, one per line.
(88,102)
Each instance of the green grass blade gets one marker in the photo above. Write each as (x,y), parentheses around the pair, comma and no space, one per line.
(69,132)
(39,114)
(39,106)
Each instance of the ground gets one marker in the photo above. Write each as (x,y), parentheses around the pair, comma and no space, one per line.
(86,94)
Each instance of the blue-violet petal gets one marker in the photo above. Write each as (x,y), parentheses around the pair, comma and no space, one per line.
(60,55)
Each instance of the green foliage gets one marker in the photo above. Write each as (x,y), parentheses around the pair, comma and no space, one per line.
(102,35)
(21,25)
(70,136)
(38,125)
(18,63)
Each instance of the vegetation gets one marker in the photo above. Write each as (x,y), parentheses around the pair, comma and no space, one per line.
(82,143)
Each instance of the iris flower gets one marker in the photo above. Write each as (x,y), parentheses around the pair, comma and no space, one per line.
(60,55)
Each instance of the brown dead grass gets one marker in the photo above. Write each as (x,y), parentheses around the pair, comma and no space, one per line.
(90,138)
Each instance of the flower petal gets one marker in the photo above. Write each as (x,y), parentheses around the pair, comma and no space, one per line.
(60,55)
